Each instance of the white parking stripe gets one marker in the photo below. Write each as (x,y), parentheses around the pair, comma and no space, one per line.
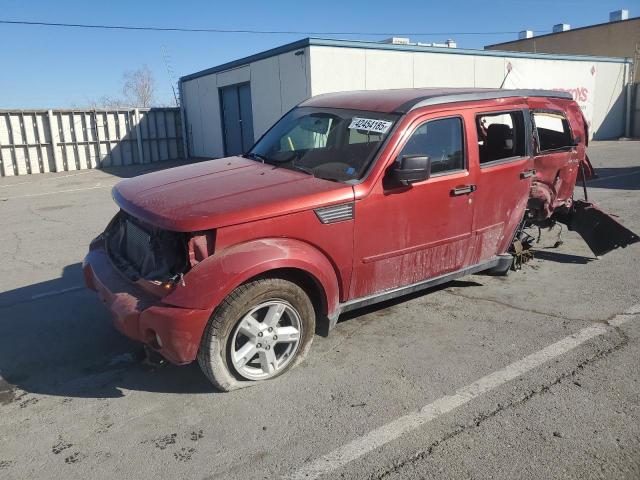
(57,191)
(56,177)
(395,429)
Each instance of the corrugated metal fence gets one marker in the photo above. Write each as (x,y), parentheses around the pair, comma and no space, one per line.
(38,141)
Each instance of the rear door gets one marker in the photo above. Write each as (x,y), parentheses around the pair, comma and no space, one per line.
(502,150)
(556,160)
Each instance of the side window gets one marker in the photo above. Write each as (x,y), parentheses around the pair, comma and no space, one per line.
(442,141)
(553,131)
(500,135)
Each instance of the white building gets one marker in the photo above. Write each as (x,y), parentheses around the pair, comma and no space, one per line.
(226,108)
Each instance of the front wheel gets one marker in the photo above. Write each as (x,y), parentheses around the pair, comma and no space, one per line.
(262,329)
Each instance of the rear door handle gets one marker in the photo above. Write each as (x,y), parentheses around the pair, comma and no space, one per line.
(463,190)
(527,174)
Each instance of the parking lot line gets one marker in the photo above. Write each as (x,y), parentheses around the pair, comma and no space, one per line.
(57,191)
(395,429)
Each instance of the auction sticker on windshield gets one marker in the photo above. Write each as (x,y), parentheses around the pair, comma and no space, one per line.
(370,124)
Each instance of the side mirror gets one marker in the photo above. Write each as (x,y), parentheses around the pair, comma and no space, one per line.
(576,141)
(411,168)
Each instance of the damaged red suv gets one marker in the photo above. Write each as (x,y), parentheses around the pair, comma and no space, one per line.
(350,199)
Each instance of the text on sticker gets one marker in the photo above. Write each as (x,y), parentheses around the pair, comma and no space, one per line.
(370,124)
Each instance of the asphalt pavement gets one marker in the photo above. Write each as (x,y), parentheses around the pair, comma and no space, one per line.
(533,375)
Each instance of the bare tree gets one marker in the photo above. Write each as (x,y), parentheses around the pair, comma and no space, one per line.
(138,91)
(139,87)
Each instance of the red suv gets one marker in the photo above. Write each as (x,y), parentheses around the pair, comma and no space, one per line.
(350,199)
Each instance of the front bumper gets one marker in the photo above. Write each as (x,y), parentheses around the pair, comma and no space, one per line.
(173,332)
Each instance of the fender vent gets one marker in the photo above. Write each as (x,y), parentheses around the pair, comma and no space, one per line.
(335,213)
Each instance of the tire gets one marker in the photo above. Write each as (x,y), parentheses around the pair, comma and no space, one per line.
(233,326)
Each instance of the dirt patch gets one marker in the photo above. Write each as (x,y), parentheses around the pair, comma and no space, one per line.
(75,457)
(164,442)
(185,454)
(60,446)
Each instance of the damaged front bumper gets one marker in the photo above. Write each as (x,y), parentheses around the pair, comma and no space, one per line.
(173,332)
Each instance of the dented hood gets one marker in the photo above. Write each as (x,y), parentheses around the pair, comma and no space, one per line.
(222,192)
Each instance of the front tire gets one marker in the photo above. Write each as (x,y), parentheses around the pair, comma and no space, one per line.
(261,330)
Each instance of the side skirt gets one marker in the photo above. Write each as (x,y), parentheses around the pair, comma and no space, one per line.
(496,261)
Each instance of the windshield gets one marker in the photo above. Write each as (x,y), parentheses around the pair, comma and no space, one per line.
(334,144)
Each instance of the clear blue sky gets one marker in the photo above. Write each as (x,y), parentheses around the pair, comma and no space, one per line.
(59,67)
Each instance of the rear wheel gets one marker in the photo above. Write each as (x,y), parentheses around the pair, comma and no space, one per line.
(261,330)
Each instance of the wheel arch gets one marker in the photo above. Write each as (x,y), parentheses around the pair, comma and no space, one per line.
(312,287)
(213,279)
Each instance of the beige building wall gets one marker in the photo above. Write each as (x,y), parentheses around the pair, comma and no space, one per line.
(613,39)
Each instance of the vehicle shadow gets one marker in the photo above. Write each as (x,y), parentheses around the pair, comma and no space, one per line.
(56,338)
(623,178)
(561,257)
(376,307)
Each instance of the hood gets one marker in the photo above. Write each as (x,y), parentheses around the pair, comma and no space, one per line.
(222,192)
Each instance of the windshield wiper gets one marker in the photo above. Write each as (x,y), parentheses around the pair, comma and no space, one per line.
(304,169)
(256,156)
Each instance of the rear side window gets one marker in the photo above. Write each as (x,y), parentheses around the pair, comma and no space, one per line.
(552,130)
(441,140)
(500,136)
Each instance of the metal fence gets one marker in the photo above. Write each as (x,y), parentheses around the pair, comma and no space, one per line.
(39,141)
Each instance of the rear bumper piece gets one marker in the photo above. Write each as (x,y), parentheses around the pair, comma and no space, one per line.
(600,231)
(142,317)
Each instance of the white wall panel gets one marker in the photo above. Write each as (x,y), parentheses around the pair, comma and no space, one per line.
(266,101)
(385,69)
(191,103)
(609,107)
(326,61)
(295,82)
(209,102)
(437,70)
(232,77)
(488,72)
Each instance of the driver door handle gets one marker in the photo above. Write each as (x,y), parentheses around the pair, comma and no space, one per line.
(463,190)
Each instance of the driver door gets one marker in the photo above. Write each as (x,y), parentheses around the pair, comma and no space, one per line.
(405,235)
